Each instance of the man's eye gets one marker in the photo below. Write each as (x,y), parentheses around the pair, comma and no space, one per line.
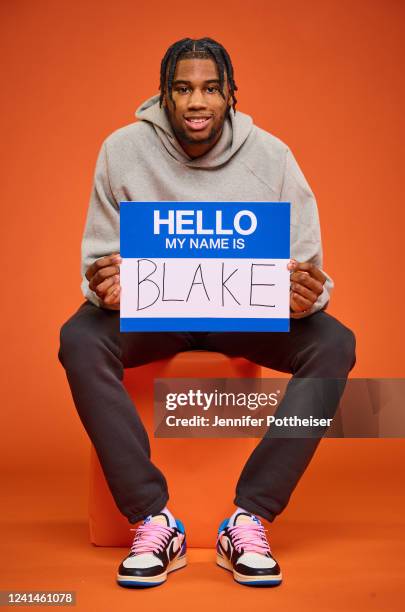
(212,89)
(182,90)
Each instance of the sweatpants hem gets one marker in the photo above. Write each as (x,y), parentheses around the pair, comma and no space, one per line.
(154,508)
(247,504)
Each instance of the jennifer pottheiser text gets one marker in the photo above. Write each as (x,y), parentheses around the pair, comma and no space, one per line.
(246,421)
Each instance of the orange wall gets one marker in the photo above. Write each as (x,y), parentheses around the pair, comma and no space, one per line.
(324,76)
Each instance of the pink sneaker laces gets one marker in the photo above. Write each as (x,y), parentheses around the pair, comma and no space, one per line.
(150,537)
(251,537)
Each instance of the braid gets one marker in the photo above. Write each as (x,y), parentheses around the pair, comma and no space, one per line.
(201,48)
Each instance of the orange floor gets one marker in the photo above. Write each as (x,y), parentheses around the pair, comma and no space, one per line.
(348,556)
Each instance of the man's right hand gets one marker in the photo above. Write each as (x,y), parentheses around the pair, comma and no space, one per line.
(104,279)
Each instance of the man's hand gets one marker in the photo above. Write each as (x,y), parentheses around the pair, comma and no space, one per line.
(104,279)
(306,285)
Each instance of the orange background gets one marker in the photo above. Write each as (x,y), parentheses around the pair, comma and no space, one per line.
(324,76)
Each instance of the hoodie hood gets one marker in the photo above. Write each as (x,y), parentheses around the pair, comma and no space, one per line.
(236,130)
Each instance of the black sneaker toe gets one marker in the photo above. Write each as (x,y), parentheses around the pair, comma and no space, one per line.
(143,572)
(245,570)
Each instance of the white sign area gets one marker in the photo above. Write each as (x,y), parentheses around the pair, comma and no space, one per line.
(204,287)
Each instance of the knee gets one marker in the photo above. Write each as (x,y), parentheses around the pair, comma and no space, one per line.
(68,342)
(84,341)
(339,347)
(350,347)
(331,353)
(75,344)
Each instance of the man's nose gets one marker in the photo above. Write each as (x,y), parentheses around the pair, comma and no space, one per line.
(197,99)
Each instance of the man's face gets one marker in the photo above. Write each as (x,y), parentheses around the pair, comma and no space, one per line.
(199,111)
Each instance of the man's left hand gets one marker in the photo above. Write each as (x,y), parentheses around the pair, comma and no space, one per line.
(306,285)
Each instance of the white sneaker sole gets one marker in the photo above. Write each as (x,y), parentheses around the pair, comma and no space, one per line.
(145,581)
(270,580)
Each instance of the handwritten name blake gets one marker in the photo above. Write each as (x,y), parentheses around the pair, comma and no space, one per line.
(218,281)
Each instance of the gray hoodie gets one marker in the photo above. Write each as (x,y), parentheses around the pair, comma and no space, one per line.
(144,161)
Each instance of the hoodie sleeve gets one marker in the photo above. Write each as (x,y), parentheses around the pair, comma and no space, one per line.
(101,232)
(306,244)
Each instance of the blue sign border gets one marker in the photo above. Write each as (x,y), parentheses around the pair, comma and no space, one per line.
(137,240)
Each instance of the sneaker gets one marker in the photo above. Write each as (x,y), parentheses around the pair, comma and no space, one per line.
(157,549)
(243,549)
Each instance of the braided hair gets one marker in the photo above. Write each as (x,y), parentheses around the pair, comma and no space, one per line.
(202,48)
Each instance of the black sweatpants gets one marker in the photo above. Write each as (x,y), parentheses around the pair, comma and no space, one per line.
(94,354)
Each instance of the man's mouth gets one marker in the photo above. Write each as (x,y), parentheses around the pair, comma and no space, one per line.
(197,123)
